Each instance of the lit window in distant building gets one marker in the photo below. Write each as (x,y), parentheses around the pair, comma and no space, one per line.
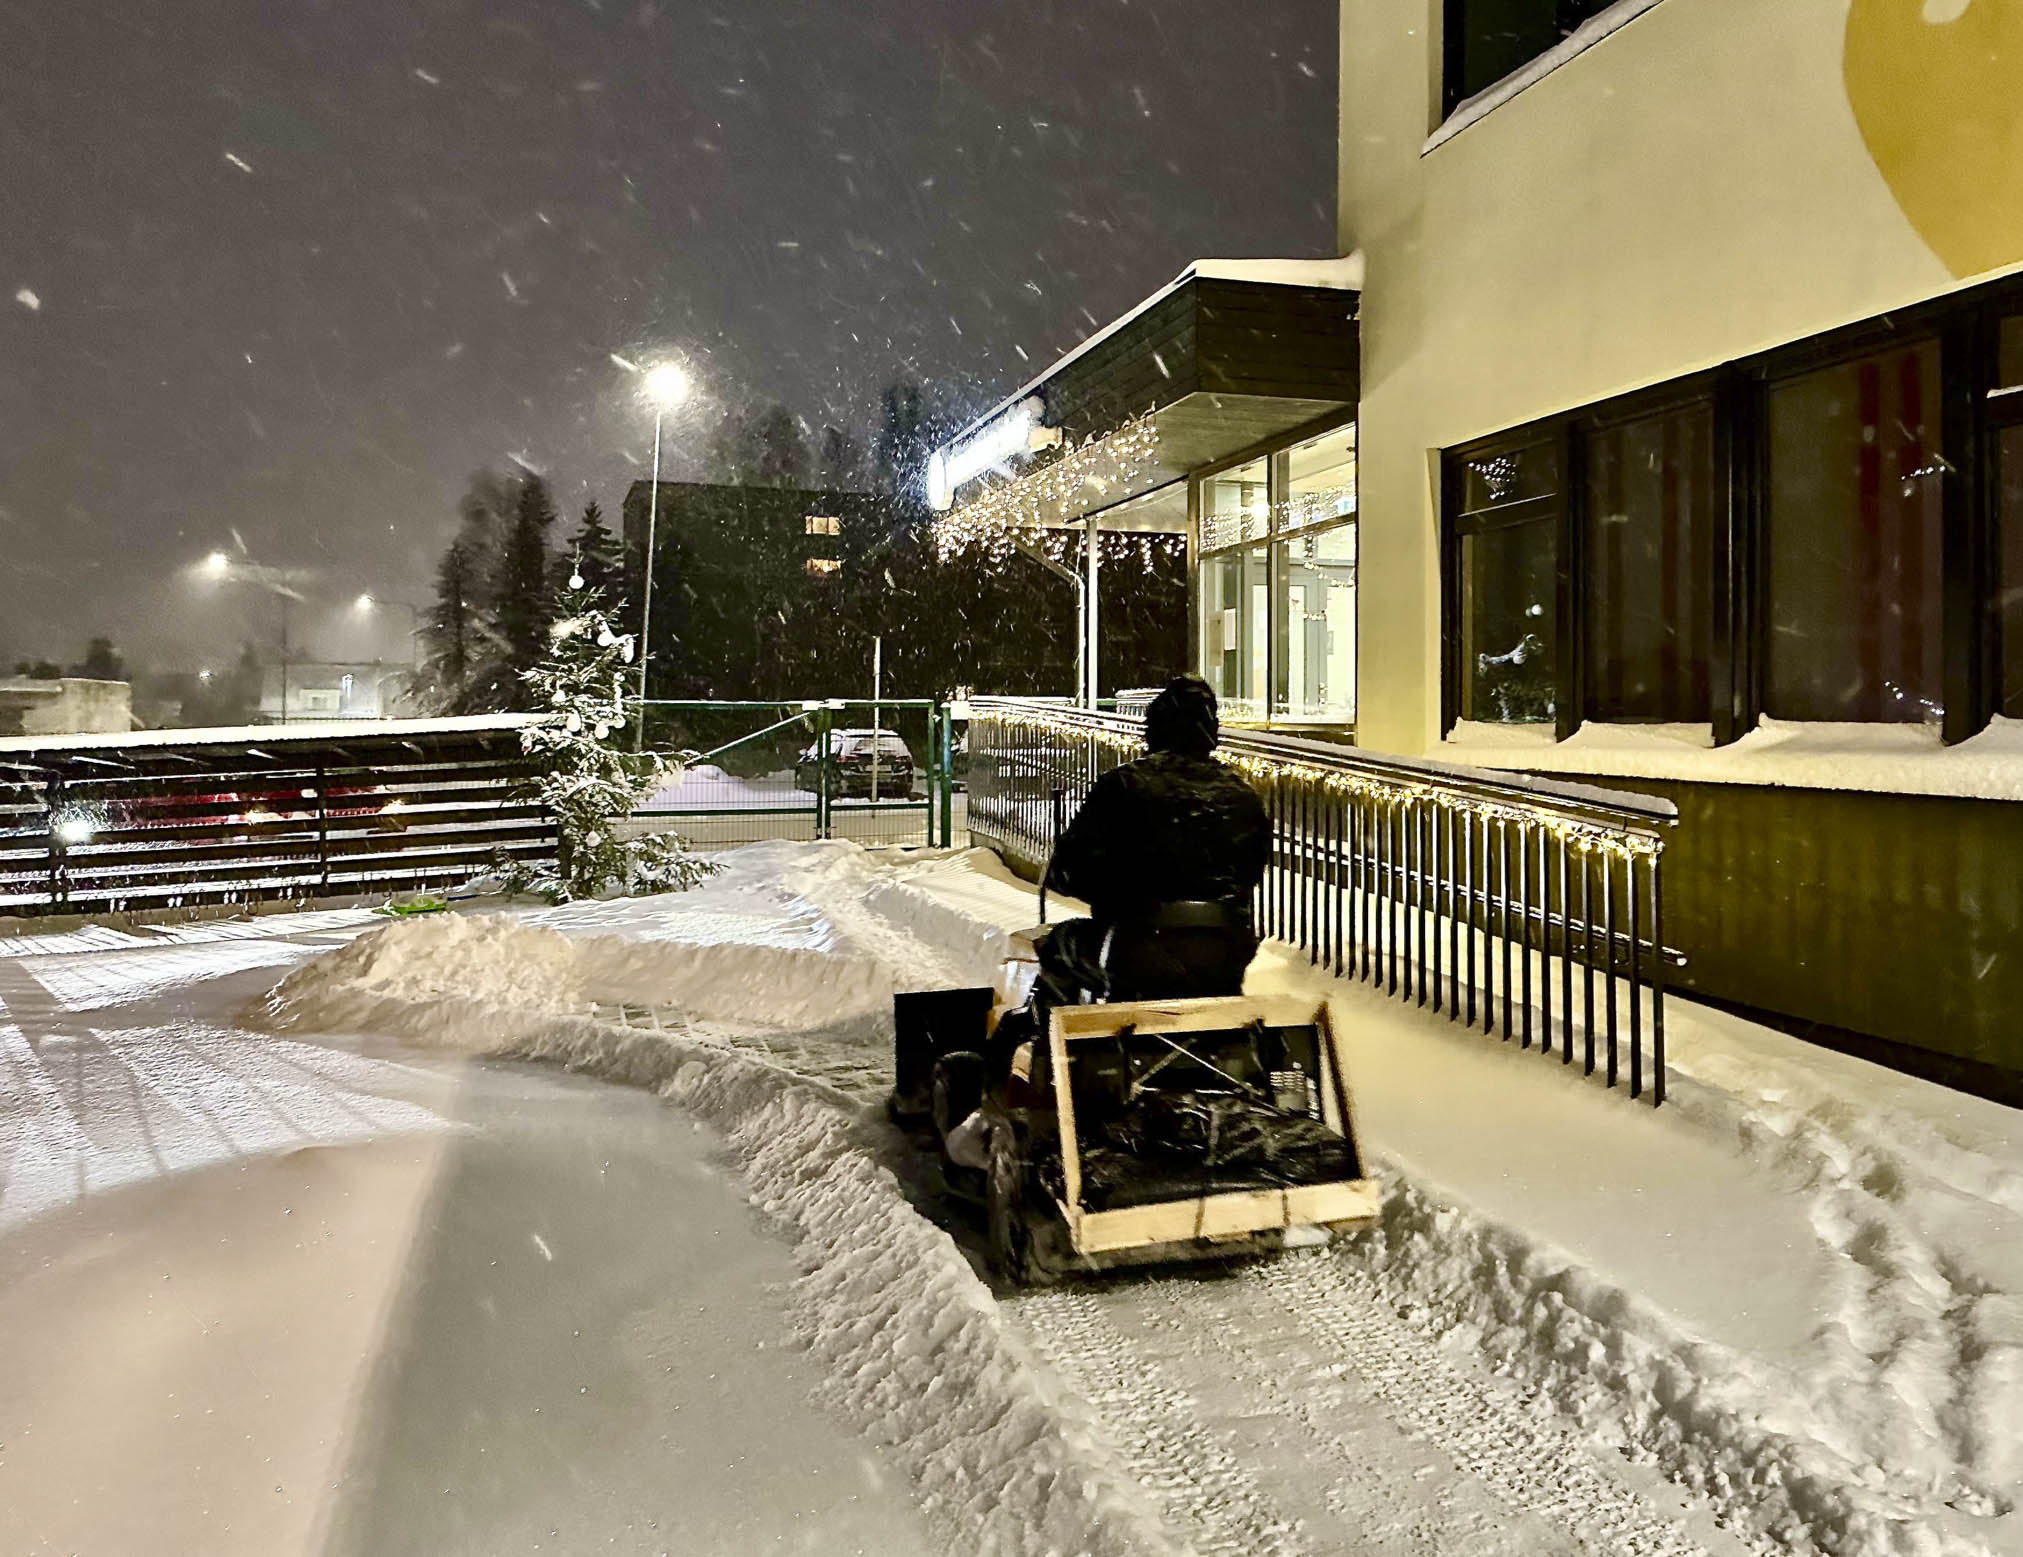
(824,524)
(820,566)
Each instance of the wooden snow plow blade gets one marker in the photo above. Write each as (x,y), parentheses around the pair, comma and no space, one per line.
(1191,1128)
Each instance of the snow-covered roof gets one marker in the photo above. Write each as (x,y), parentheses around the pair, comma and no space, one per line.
(1892,759)
(1344,273)
(263,734)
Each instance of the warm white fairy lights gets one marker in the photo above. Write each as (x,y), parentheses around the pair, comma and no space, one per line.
(1108,469)
(1269,772)
(1316,506)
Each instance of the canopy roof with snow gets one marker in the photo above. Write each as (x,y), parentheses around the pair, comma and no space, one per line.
(1228,354)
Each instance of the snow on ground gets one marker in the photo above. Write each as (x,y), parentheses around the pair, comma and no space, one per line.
(1794,1291)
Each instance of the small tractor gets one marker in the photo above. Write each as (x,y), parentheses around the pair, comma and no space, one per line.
(1106,1135)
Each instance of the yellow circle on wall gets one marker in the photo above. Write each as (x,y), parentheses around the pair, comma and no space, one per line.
(1937,90)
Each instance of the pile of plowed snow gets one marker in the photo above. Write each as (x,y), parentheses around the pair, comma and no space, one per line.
(443,976)
(917,1353)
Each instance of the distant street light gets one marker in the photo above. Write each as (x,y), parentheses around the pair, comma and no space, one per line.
(280,582)
(367,603)
(664,387)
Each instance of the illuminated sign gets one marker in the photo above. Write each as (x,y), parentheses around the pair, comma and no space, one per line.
(1017,431)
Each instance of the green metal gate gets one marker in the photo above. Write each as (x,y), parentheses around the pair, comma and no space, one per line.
(821,768)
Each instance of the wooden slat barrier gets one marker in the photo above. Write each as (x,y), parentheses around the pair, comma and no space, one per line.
(98,823)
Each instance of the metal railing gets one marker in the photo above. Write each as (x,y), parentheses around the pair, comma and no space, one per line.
(762,770)
(176,818)
(1501,902)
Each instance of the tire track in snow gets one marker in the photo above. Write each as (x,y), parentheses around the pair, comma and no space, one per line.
(1535,1462)
(1156,1429)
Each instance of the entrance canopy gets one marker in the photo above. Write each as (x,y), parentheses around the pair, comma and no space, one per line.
(1229,354)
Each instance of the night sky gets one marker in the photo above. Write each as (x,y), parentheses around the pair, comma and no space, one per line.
(296,268)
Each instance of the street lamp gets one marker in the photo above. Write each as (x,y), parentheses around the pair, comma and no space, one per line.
(367,603)
(280,582)
(664,387)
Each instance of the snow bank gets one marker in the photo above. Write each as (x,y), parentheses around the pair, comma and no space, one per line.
(1889,1428)
(1873,1413)
(452,979)
(916,1351)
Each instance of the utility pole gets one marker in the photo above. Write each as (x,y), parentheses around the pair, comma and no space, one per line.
(284,657)
(877,695)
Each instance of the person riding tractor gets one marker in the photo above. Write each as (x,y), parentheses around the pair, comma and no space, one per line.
(1166,851)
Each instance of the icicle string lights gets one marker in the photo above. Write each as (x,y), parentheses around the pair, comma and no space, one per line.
(1574,832)
(1111,465)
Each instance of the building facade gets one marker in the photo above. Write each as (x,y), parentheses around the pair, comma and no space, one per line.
(1683,448)
(1691,457)
(303,691)
(64,705)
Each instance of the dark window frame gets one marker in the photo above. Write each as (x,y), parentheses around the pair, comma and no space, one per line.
(1966,325)
(1568,16)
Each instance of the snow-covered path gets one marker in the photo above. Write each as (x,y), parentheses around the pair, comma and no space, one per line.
(266,1297)
(1795,1291)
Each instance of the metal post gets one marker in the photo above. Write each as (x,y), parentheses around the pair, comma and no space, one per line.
(1657,989)
(646,597)
(1090,616)
(877,721)
(59,848)
(323,827)
(284,657)
(947,777)
(823,720)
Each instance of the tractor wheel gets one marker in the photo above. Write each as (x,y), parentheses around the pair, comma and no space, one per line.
(956,1090)
(1024,1246)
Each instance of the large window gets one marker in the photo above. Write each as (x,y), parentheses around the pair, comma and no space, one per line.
(1507,529)
(1278,584)
(1854,525)
(1649,597)
(1831,531)
(2009,598)
(2006,402)
(1487,40)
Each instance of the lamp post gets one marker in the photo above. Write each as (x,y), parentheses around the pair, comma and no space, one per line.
(368,602)
(664,387)
(280,581)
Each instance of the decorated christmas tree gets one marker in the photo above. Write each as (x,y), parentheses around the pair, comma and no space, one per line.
(588,785)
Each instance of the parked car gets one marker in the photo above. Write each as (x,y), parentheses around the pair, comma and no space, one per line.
(851,765)
(232,812)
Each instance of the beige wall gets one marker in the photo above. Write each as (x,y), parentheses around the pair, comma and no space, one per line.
(1717,177)
(69,706)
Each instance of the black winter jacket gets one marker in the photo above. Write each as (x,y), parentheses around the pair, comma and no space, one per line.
(1164,829)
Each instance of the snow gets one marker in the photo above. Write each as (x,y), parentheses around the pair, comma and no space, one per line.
(1798,1289)
(1898,759)
(1576,43)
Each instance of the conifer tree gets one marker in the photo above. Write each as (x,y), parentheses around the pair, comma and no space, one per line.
(524,601)
(451,638)
(589,784)
(594,554)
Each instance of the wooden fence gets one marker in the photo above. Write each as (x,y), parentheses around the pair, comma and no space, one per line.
(173,818)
